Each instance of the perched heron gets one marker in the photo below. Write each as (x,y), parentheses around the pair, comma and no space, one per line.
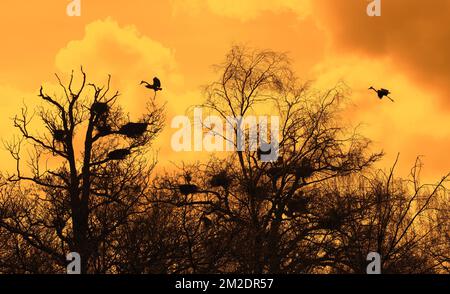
(119,154)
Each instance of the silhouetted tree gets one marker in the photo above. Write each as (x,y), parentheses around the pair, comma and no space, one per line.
(78,205)
(320,207)
(391,216)
(261,202)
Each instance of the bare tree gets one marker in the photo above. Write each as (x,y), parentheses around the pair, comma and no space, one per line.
(264,202)
(75,207)
(320,207)
(391,216)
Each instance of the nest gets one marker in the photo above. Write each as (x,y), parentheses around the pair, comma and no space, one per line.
(297,206)
(104,130)
(59,135)
(305,169)
(100,108)
(332,220)
(221,180)
(206,221)
(260,193)
(187,189)
(133,130)
(275,172)
(119,154)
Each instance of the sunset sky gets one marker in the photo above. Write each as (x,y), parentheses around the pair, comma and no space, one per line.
(406,50)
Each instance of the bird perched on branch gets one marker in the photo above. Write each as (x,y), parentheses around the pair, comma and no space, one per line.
(119,154)
(187,189)
(133,130)
(382,93)
(156,86)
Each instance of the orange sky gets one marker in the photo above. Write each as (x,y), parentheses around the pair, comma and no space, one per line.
(405,50)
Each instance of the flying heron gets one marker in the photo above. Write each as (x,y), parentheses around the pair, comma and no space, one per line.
(156,86)
(382,93)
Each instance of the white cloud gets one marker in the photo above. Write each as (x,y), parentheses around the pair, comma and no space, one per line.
(126,54)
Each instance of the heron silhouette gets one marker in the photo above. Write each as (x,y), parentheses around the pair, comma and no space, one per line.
(382,93)
(156,86)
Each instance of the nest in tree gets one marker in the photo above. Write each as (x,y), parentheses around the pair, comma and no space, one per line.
(332,220)
(133,130)
(59,135)
(297,206)
(305,169)
(100,108)
(206,221)
(104,130)
(257,192)
(187,189)
(221,180)
(275,172)
(119,154)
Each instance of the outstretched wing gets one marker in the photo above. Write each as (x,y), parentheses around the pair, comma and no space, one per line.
(156,82)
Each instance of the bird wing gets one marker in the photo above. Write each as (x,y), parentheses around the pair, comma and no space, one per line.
(156,82)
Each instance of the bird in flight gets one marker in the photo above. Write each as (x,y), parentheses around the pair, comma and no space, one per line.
(156,86)
(382,93)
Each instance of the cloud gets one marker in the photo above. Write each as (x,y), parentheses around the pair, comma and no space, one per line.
(244,10)
(405,50)
(129,56)
(414,34)
(106,48)
(126,54)
(413,125)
